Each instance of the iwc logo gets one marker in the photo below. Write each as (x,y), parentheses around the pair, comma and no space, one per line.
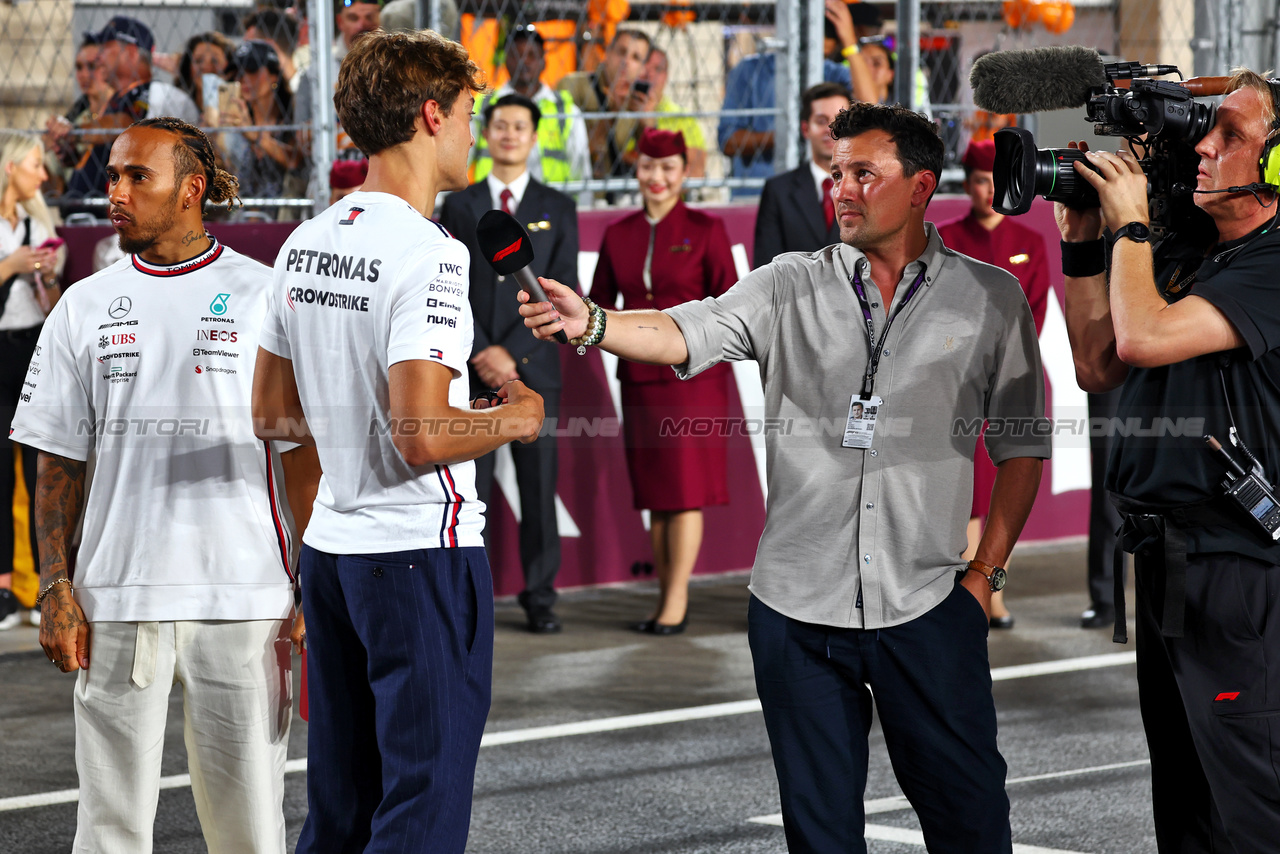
(121,306)
(219,305)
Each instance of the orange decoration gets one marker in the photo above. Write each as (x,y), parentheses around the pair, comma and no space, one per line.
(1056,15)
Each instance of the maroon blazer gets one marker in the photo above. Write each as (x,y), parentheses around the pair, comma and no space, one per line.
(692,259)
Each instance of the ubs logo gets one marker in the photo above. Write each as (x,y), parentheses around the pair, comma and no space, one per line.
(120,306)
(219,304)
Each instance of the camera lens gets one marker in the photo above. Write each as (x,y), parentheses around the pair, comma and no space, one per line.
(1058,181)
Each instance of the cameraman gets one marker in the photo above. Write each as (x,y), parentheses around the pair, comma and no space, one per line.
(1194,338)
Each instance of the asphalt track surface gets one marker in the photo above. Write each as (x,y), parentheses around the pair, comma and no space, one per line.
(604,741)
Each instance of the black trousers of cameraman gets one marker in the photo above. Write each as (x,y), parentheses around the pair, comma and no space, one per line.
(1211,704)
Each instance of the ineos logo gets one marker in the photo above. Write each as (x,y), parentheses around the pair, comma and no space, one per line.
(120,306)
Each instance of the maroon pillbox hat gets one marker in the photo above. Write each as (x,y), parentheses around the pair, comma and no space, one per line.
(980,156)
(346,174)
(661,143)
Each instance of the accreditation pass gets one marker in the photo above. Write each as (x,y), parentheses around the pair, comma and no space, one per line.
(860,429)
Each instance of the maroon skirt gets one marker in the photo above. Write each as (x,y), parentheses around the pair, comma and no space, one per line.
(677,438)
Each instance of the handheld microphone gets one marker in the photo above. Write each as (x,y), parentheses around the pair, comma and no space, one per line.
(1030,81)
(505,245)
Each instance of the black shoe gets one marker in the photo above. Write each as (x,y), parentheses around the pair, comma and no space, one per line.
(543,621)
(1098,617)
(1005,622)
(11,610)
(653,627)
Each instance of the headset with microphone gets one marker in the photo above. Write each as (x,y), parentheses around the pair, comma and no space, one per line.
(1268,163)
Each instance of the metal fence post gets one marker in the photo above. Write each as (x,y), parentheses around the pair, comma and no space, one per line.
(324,128)
(904,82)
(786,129)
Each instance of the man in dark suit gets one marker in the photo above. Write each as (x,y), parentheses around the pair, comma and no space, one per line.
(796,212)
(504,348)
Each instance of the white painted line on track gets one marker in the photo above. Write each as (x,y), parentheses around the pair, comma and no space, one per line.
(898,802)
(885,833)
(614,724)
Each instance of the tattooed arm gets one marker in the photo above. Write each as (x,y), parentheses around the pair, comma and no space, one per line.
(64,633)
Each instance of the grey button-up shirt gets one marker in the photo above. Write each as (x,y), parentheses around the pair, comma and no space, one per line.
(872,538)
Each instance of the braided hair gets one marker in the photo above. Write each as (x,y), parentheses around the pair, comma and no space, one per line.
(194,153)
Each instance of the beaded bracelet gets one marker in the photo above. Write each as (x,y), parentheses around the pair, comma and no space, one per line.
(595,328)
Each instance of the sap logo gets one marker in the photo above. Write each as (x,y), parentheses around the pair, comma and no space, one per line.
(455,269)
(451,322)
(217,335)
(125,338)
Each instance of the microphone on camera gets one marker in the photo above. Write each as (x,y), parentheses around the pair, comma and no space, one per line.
(505,245)
(1031,81)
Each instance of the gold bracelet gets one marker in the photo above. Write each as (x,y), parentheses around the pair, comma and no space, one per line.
(50,586)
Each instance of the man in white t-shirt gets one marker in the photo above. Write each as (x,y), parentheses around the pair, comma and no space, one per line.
(364,353)
(183,570)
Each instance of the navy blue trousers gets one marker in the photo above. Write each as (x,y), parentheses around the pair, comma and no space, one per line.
(399,672)
(932,683)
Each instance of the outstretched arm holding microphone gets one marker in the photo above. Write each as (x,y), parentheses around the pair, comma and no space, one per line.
(649,336)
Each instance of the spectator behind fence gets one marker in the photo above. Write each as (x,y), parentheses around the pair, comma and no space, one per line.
(797,213)
(125,54)
(346,177)
(263,159)
(611,89)
(858,592)
(882,61)
(655,71)
(398,16)
(95,92)
(192,584)
(353,20)
(28,290)
(205,53)
(281,29)
(993,238)
(504,349)
(751,85)
(560,151)
(661,256)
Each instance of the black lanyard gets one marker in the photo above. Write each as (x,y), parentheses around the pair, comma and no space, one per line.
(874,348)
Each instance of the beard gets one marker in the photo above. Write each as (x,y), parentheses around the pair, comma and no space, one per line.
(147,233)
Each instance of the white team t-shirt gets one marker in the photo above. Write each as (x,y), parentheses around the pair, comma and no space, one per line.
(148,371)
(366,284)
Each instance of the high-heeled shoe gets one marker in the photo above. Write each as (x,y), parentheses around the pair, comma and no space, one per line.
(653,627)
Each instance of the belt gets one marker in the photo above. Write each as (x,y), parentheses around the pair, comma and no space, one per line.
(1166,525)
(21,334)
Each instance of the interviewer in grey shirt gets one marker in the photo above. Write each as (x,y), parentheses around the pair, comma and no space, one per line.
(858,579)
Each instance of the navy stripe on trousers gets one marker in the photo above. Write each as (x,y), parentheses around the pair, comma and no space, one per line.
(399,672)
(932,683)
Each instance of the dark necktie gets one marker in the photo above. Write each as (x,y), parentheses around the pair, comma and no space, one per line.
(507,197)
(828,204)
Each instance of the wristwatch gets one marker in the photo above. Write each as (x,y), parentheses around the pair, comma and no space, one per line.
(996,576)
(1135,231)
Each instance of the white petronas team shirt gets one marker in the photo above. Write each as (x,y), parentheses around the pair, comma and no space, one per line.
(366,284)
(146,372)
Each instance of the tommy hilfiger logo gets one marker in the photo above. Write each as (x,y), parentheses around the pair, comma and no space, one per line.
(351,216)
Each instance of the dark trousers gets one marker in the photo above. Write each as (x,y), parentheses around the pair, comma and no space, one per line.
(15,357)
(1104,519)
(932,684)
(536,466)
(1210,705)
(399,670)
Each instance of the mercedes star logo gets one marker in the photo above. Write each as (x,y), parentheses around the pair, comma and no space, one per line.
(120,306)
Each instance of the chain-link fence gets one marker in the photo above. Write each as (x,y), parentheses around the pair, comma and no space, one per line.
(727,73)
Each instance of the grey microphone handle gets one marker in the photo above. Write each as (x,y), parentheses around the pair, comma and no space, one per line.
(528,282)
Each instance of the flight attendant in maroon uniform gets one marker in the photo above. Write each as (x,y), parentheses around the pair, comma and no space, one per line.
(659,257)
(996,239)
